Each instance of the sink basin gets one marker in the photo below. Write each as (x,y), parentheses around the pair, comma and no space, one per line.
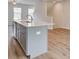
(25,21)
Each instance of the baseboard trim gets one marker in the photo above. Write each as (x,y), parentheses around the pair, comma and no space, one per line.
(61,27)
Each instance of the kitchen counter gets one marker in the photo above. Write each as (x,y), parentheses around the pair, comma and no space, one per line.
(33,24)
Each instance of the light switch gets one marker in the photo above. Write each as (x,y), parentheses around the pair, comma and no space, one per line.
(38,33)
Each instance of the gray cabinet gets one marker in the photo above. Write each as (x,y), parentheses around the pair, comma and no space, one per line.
(34,40)
(37,40)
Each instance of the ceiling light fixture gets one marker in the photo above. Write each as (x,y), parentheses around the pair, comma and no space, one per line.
(14,2)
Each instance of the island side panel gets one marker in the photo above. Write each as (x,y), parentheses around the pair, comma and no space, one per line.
(37,40)
(21,35)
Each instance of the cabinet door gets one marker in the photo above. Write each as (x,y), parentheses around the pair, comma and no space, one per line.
(37,40)
(17,31)
(23,36)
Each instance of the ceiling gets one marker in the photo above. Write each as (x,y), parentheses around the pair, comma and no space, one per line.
(34,1)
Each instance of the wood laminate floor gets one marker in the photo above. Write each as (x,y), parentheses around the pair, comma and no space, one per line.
(58,46)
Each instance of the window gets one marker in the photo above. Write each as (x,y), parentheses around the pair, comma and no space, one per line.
(30,11)
(17,13)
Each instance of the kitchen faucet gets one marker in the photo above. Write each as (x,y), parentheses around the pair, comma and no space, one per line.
(29,19)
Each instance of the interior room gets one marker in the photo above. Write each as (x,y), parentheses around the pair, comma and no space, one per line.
(39,29)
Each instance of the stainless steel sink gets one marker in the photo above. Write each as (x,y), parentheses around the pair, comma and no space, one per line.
(25,21)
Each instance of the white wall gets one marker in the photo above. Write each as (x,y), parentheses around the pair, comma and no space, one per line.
(61,15)
(39,13)
(60,12)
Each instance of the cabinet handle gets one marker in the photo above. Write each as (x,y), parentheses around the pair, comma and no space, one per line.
(38,33)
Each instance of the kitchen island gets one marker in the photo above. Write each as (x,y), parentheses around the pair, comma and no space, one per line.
(33,37)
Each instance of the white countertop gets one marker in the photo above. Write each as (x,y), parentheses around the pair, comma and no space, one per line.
(34,23)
